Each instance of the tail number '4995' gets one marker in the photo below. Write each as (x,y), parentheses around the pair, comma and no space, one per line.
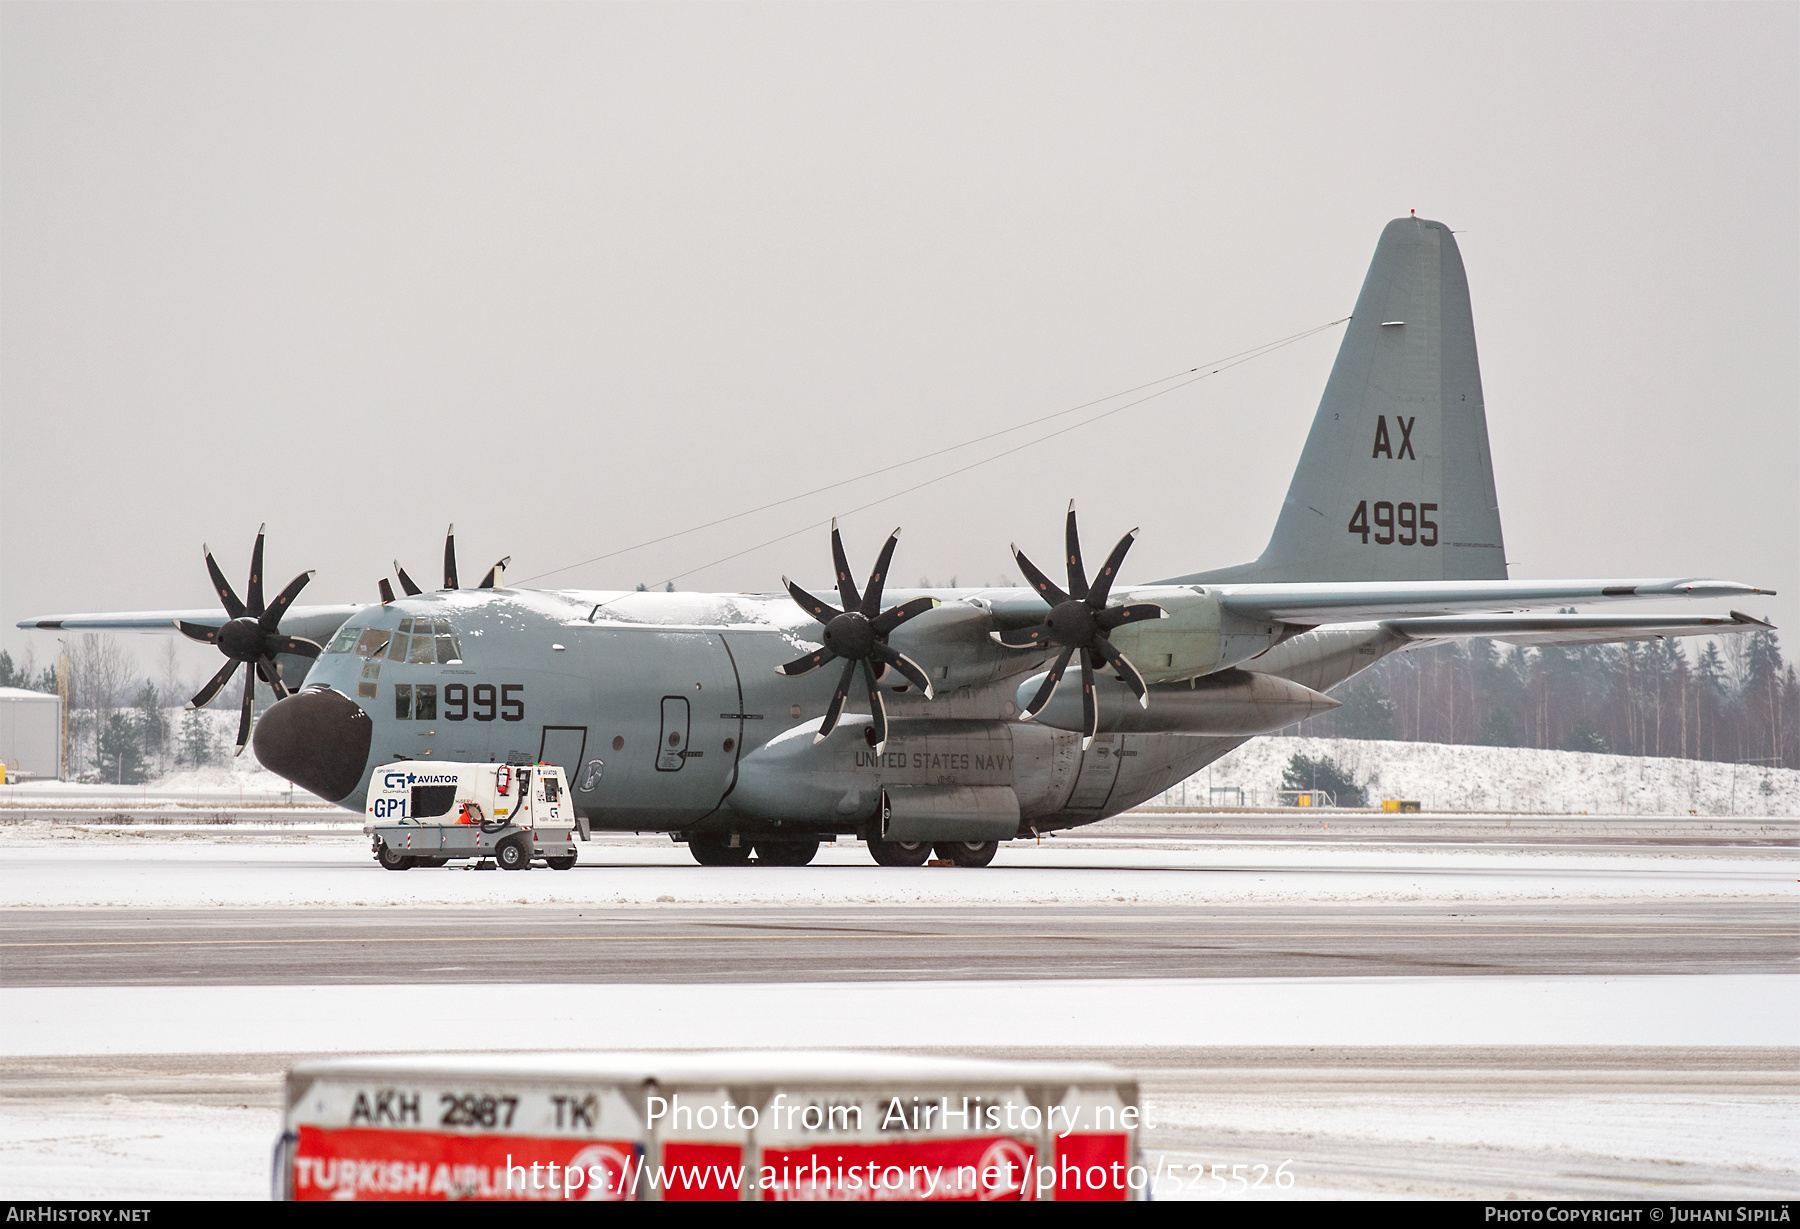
(486,701)
(1406,524)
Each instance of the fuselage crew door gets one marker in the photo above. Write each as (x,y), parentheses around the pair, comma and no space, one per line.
(672,753)
(563,746)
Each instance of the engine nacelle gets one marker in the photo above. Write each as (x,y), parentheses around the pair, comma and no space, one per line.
(1198,637)
(1229,702)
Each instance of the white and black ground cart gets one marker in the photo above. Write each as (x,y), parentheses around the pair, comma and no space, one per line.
(427,814)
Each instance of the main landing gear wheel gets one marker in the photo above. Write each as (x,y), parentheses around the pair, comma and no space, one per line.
(968,853)
(394,860)
(513,854)
(786,853)
(715,849)
(566,862)
(900,853)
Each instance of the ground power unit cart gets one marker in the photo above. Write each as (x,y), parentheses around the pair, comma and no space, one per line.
(427,814)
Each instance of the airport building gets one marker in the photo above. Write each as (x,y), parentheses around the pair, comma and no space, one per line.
(30,734)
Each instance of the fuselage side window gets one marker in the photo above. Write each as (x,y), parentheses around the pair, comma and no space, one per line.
(425,702)
(402,702)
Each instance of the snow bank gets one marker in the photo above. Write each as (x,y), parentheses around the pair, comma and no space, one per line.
(1519,779)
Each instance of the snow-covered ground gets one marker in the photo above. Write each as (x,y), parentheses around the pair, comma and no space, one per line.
(1732,1009)
(1514,779)
(65,867)
(1465,1134)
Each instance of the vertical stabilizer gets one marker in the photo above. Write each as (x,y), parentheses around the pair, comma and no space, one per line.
(1396,481)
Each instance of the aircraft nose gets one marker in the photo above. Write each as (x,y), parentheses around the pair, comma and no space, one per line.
(318,739)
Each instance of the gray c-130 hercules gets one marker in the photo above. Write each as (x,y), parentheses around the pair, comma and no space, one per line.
(726,720)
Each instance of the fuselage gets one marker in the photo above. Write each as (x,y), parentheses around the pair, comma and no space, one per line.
(667,714)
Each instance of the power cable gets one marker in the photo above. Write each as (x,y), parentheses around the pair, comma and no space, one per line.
(1216,366)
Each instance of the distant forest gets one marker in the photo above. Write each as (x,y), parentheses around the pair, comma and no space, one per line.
(1732,699)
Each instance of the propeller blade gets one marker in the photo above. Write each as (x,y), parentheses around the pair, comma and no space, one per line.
(253,595)
(1119,616)
(299,646)
(406,582)
(194,631)
(450,558)
(1048,591)
(387,591)
(905,665)
(271,618)
(836,708)
(807,664)
(846,586)
(822,611)
(1078,586)
(877,708)
(1103,583)
(205,695)
(270,669)
(1024,637)
(888,620)
(1047,688)
(1090,711)
(1122,664)
(496,575)
(222,587)
(244,717)
(871,603)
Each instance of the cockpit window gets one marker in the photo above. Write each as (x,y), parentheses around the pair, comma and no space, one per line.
(372,642)
(418,642)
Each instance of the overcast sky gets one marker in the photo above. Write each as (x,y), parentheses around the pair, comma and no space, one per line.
(577,276)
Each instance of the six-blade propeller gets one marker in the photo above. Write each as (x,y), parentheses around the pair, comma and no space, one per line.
(252,635)
(1077,623)
(858,633)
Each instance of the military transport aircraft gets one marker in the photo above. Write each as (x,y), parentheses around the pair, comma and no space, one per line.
(728,721)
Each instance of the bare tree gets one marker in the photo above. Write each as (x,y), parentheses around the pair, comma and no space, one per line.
(101,669)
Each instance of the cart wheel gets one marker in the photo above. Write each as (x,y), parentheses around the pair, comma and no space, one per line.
(900,853)
(513,855)
(394,860)
(968,853)
(563,863)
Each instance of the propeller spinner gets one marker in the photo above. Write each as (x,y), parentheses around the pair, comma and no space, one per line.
(1078,622)
(251,637)
(858,633)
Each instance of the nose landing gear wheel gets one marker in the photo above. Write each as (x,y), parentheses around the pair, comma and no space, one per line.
(715,849)
(786,853)
(394,860)
(968,853)
(513,855)
(900,853)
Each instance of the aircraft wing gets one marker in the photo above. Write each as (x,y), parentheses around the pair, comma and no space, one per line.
(315,623)
(1362,601)
(1539,630)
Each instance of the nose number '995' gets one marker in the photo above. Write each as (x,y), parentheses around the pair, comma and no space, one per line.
(486,701)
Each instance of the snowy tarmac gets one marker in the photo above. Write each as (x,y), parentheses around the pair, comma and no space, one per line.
(1567,1010)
